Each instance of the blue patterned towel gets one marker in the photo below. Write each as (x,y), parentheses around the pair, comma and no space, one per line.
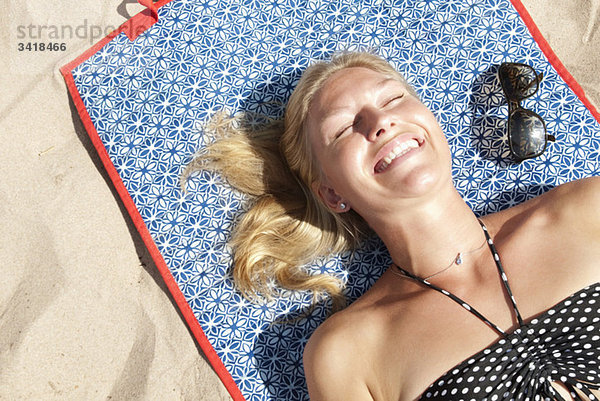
(143,101)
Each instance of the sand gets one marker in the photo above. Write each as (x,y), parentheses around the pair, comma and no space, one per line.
(84,314)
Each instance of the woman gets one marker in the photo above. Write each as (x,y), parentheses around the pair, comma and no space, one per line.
(363,148)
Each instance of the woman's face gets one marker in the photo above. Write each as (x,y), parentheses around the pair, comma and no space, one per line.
(375,142)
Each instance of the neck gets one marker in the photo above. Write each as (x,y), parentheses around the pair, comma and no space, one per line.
(426,238)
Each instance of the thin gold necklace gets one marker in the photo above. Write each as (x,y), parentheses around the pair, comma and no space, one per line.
(456,261)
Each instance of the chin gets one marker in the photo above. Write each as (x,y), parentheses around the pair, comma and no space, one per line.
(424,181)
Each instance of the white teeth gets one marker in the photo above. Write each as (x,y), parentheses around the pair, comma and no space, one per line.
(401,149)
(398,150)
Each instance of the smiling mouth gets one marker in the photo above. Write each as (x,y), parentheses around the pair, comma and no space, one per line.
(398,151)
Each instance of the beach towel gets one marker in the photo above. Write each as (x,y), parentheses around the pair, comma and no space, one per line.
(144,92)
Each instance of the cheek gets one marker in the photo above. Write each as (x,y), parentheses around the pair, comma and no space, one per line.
(342,168)
(423,115)
(350,156)
(427,119)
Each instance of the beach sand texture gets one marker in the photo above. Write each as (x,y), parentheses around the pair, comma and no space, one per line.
(84,313)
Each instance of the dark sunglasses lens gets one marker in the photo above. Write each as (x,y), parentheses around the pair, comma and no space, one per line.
(527,134)
(519,81)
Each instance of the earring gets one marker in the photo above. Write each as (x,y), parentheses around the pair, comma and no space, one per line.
(342,205)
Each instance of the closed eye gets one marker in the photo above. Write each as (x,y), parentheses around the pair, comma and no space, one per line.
(394,99)
(343,130)
(347,127)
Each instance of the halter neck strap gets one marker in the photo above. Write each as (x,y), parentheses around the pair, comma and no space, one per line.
(463,303)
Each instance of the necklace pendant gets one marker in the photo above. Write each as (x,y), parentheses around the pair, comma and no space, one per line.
(458,259)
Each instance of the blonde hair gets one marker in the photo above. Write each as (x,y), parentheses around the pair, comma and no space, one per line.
(287,225)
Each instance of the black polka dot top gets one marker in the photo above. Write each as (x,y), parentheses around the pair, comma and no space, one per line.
(561,345)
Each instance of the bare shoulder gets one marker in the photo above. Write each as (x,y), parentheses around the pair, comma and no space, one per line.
(334,360)
(585,189)
(550,245)
(575,204)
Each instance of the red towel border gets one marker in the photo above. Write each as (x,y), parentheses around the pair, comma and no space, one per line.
(132,28)
(553,58)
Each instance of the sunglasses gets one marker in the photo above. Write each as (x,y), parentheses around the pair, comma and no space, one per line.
(527,136)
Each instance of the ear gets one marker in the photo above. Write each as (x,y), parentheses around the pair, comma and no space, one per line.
(329,197)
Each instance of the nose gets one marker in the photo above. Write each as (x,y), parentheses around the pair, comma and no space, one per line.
(378,123)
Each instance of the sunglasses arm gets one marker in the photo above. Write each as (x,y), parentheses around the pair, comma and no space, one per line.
(536,81)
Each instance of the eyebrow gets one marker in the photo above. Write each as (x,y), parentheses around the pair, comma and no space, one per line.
(379,84)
